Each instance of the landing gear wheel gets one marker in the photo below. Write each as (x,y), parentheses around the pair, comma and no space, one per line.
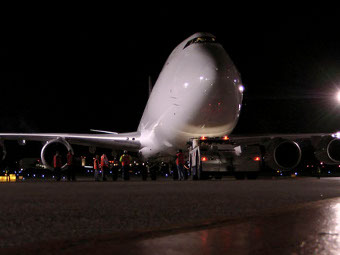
(201,175)
(252,175)
(153,173)
(218,177)
(174,173)
(239,175)
(114,177)
(144,172)
(114,174)
(126,174)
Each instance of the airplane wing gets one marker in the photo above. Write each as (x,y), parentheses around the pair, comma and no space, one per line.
(258,139)
(124,141)
(284,151)
(128,141)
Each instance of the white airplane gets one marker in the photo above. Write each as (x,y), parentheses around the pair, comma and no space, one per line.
(198,94)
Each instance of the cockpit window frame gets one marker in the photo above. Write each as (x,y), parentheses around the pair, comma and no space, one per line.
(201,39)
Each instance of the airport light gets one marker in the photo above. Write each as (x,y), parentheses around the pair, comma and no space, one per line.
(337,135)
(338,97)
(257,159)
(204,158)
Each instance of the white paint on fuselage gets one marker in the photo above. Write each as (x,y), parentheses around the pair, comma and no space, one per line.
(197,94)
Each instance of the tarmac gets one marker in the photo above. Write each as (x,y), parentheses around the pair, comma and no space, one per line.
(268,216)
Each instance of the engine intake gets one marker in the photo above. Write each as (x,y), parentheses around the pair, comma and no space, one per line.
(283,154)
(49,150)
(328,150)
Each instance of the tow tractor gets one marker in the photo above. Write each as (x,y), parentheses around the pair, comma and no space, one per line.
(219,156)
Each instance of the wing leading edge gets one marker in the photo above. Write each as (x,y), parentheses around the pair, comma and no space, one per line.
(128,141)
(258,139)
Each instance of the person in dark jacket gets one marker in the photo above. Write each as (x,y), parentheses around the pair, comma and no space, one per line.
(57,164)
(70,166)
(180,164)
(125,160)
(96,167)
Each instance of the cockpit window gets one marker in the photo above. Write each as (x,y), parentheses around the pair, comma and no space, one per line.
(203,39)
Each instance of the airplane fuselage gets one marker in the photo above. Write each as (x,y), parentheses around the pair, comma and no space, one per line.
(198,93)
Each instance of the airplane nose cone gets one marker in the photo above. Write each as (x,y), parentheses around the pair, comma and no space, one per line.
(217,93)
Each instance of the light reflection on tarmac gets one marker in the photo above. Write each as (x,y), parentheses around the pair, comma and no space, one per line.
(310,229)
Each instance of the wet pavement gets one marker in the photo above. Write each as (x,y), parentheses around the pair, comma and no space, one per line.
(310,229)
(299,216)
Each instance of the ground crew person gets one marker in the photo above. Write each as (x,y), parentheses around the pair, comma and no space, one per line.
(7,175)
(180,164)
(194,162)
(96,167)
(318,172)
(57,164)
(70,166)
(104,165)
(114,169)
(125,160)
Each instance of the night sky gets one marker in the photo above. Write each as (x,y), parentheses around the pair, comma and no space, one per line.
(61,75)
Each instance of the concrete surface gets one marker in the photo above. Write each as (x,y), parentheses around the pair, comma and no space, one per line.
(137,217)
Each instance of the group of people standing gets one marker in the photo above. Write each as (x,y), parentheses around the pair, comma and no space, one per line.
(70,168)
(101,167)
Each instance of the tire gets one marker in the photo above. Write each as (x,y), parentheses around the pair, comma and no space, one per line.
(144,172)
(201,175)
(218,177)
(153,174)
(239,175)
(252,175)
(114,174)
(126,174)
(175,173)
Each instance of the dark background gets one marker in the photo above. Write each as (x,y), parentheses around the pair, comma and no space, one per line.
(89,69)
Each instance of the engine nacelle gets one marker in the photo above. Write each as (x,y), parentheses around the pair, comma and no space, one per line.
(282,154)
(2,151)
(328,150)
(49,150)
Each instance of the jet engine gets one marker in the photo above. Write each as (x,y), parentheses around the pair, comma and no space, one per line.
(328,150)
(282,154)
(51,147)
